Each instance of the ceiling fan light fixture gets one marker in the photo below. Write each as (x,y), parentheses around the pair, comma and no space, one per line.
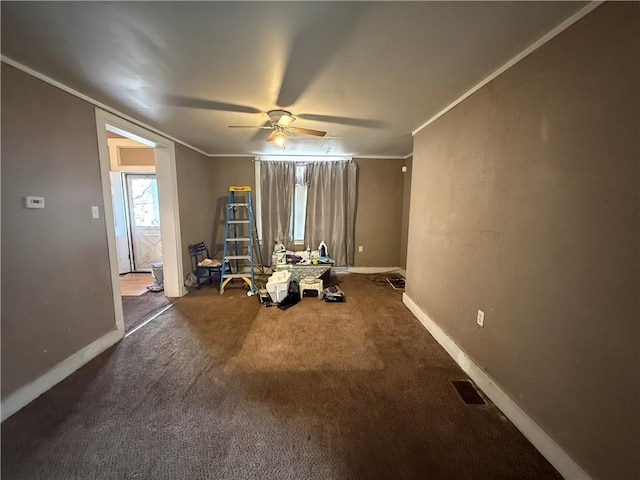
(279,139)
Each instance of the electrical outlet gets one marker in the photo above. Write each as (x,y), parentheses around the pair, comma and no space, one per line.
(360,248)
(480,319)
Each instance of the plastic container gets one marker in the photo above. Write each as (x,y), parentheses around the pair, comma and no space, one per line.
(323,251)
(279,258)
(278,285)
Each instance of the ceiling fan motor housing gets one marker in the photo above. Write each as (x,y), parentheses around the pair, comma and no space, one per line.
(276,115)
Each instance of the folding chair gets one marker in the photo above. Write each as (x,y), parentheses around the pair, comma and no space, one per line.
(201,268)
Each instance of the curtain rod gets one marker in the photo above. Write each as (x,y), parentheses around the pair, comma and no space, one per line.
(267,158)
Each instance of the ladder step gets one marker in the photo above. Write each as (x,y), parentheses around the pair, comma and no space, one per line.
(237,257)
(238,221)
(238,239)
(236,275)
(238,204)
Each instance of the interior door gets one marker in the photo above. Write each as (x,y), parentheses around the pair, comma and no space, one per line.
(120,221)
(144,215)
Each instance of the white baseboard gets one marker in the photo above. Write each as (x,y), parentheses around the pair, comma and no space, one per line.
(33,390)
(369,270)
(553,452)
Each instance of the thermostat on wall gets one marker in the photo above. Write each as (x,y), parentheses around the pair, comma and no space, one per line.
(34,202)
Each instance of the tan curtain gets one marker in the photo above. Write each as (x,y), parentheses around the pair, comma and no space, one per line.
(277,181)
(331,205)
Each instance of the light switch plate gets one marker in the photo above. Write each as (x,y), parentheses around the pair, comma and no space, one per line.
(95,213)
(31,201)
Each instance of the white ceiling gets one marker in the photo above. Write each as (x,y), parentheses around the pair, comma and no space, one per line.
(369,73)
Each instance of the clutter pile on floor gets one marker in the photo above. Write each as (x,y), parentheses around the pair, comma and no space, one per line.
(286,286)
(285,292)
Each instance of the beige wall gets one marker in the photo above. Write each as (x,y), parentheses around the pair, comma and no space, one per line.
(524,203)
(135,157)
(56,284)
(225,172)
(195,200)
(379,212)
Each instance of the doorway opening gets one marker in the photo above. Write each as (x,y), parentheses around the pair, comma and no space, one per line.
(140,189)
(136,215)
(137,221)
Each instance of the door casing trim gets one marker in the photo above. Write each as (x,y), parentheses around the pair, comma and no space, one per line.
(166,174)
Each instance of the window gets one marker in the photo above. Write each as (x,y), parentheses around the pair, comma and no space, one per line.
(298,202)
(143,198)
(299,206)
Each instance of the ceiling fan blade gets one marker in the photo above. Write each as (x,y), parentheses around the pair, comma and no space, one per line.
(286,120)
(272,137)
(263,127)
(261,133)
(354,122)
(307,131)
(192,102)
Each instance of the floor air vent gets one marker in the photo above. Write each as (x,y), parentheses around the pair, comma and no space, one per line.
(397,283)
(467,391)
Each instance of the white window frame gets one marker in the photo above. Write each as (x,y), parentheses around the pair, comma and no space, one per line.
(297,241)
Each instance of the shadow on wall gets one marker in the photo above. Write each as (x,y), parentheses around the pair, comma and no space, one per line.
(217,228)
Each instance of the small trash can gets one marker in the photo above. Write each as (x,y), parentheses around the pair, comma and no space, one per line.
(158,277)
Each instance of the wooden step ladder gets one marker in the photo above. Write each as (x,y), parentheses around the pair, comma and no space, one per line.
(239,239)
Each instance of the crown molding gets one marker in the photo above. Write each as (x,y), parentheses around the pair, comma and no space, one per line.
(93,101)
(527,51)
(382,157)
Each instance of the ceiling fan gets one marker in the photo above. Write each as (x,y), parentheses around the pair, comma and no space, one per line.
(280,122)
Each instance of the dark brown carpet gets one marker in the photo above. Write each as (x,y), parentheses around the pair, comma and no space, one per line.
(220,387)
(137,309)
